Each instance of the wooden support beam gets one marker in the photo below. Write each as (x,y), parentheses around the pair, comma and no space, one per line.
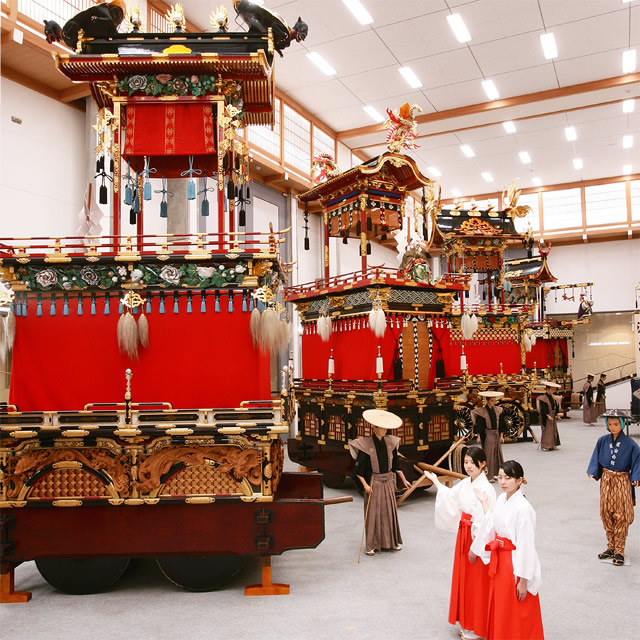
(78,91)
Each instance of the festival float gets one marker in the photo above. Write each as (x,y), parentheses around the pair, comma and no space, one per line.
(141,422)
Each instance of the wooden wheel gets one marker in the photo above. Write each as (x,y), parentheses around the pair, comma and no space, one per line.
(333,480)
(462,420)
(80,577)
(514,420)
(200,573)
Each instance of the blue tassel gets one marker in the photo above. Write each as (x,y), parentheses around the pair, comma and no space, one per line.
(80,311)
(230,308)
(203,302)
(107,304)
(244,302)
(52,307)
(176,306)
(25,311)
(65,305)
(205,207)
(18,308)
(120,307)
(147,307)
(217,305)
(93,305)
(128,195)
(164,210)
(134,311)
(146,190)
(38,307)
(189,302)
(161,307)
(251,303)
(191,190)
(261,306)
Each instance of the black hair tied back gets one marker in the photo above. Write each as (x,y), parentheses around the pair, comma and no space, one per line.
(513,469)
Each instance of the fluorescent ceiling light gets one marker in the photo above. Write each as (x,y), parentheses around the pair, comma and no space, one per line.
(536,181)
(509,127)
(629,61)
(490,89)
(458,27)
(487,176)
(467,150)
(258,2)
(625,1)
(627,142)
(525,158)
(628,106)
(412,79)
(360,13)
(549,47)
(570,133)
(373,113)
(321,63)
(434,171)
(626,169)
(456,193)
(577,163)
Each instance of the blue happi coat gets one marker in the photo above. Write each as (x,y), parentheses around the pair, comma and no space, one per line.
(623,454)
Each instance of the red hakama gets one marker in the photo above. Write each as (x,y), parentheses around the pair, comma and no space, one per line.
(508,618)
(469,584)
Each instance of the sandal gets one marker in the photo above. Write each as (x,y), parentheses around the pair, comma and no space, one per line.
(371,552)
(605,555)
(618,560)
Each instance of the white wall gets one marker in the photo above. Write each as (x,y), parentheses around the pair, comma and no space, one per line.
(614,267)
(42,164)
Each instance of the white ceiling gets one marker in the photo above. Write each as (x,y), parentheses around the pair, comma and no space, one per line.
(505,47)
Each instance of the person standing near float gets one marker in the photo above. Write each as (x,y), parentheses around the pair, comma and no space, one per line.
(489,424)
(549,408)
(589,414)
(601,393)
(458,509)
(508,531)
(376,462)
(616,463)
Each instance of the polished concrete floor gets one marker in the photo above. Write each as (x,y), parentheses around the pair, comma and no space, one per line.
(402,594)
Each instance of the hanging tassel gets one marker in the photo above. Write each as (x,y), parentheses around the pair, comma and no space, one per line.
(344,240)
(242,218)
(161,305)
(251,305)
(230,190)
(306,244)
(38,306)
(93,304)
(189,308)
(244,302)
(19,307)
(164,209)
(146,190)
(128,335)
(369,223)
(368,248)
(358,228)
(205,207)
(120,307)
(107,304)
(65,305)
(230,305)
(132,216)
(52,308)
(100,164)
(269,330)
(103,197)
(80,310)
(284,334)
(216,306)
(136,202)
(10,330)
(527,343)
(143,331)
(176,306)
(25,307)
(254,326)
(147,306)
(533,340)
(128,196)
(203,301)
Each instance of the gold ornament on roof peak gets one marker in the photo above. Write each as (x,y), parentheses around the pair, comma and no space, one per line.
(402,128)
(510,195)
(175,18)
(219,19)
(133,21)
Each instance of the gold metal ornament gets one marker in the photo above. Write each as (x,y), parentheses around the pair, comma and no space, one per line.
(133,21)
(132,300)
(175,17)
(219,19)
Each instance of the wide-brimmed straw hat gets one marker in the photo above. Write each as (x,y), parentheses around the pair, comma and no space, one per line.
(382,419)
(553,385)
(491,394)
(591,375)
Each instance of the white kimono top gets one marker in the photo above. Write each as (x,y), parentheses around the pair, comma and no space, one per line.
(451,503)
(514,519)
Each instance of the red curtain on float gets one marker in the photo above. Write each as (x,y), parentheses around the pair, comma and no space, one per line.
(194,360)
(354,354)
(169,134)
(543,353)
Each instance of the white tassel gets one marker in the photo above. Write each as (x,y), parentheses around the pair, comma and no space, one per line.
(128,335)
(372,319)
(11,330)
(284,334)
(325,327)
(381,323)
(533,340)
(527,343)
(473,324)
(254,326)
(269,330)
(143,330)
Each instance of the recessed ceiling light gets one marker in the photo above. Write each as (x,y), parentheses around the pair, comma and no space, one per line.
(412,79)
(487,176)
(321,63)
(458,27)
(467,150)
(625,1)
(455,193)
(360,13)
(626,169)
(549,47)
(509,127)
(627,142)
(536,181)
(577,163)
(629,61)
(525,158)
(373,113)
(490,89)
(628,106)
(434,171)
(570,133)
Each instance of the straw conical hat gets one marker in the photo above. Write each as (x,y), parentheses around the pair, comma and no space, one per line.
(383,419)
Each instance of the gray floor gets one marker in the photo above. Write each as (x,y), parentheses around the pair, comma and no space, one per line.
(393,595)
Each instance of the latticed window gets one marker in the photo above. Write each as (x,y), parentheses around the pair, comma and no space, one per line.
(264,137)
(606,203)
(364,428)
(522,224)
(405,432)
(310,423)
(297,140)
(323,143)
(562,209)
(336,428)
(157,22)
(59,10)
(438,427)
(635,200)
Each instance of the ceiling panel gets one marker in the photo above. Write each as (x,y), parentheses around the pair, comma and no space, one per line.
(509,54)
(497,19)
(516,83)
(447,68)
(456,95)
(331,94)
(557,12)
(377,84)
(384,12)
(605,64)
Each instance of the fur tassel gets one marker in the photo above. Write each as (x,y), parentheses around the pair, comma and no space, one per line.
(527,343)
(284,334)
(143,331)
(128,335)
(381,323)
(4,346)
(325,328)
(10,330)
(473,324)
(269,330)
(533,340)
(254,325)
(372,319)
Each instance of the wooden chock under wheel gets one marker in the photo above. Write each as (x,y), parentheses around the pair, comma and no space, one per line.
(7,593)
(267,588)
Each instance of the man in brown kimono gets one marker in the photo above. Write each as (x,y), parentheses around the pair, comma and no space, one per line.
(589,414)
(489,424)
(601,392)
(376,461)
(548,407)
